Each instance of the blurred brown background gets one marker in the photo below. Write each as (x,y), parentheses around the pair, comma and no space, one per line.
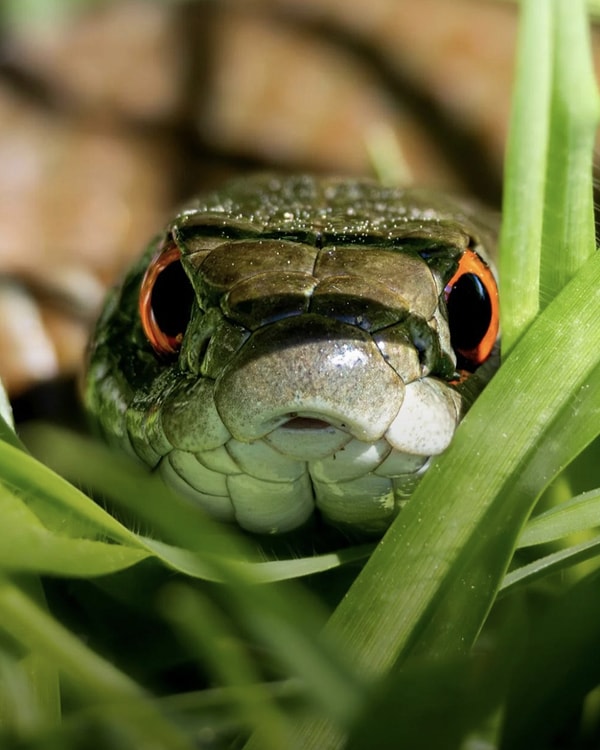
(111,115)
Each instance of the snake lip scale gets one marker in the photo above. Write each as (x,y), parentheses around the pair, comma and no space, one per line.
(299,345)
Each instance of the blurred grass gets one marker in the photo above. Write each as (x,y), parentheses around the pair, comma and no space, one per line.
(158,629)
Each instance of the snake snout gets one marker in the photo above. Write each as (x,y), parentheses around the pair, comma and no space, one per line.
(307,375)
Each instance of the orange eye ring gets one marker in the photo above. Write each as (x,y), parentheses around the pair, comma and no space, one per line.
(164,343)
(471,264)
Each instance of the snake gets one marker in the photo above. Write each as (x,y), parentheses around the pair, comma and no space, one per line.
(298,347)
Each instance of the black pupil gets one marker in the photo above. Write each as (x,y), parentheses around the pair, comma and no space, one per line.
(172,299)
(469,312)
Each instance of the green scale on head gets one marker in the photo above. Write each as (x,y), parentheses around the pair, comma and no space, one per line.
(299,345)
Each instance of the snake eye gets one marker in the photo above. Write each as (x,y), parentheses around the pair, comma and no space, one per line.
(472,303)
(165,303)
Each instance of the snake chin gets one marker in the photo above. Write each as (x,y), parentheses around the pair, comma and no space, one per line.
(358,487)
(308,467)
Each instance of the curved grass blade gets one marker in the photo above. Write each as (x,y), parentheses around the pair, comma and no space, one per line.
(7,431)
(38,687)
(552,563)
(581,513)
(472,503)
(27,546)
(34,480)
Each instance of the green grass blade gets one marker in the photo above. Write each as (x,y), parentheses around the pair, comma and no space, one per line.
(56,514)
(33,479)
(270,571)
(581,513)
(575,428)
(569,231)
(6,415)
(29,684)
(525,173)
(7,432)
(27,546)
(552,563)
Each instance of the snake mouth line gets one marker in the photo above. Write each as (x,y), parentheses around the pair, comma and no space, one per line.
(306,423)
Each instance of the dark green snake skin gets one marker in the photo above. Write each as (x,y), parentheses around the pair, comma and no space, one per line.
(317,372)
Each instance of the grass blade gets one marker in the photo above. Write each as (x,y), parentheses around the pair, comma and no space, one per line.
(27,546)
(30,690)
(581,513)
(569,230)
(525,173)
(552,563)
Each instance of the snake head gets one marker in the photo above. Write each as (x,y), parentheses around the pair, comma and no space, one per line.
(299,346)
